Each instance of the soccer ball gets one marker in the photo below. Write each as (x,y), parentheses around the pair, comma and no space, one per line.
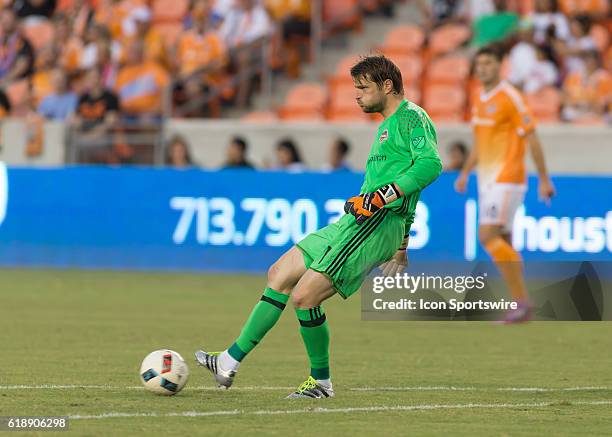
(164,372)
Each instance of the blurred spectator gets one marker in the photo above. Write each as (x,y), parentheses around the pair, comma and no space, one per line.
(153,41)
(530,68)
(294,19)
(5,105)
(494,27)
(27,8)
(338,151)
(106,64)
(549,21)
(98,107)
(246,22)
(236,154)
(457,155)
(439,12)
(202,8)
(16,53)
(98,38)
(69,46)
(588,92)
(288,156)
(42,79)
(199,48)
(579,41)
(177,153)
(62,102)
(140,85)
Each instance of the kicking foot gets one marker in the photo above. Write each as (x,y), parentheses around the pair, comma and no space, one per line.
(210,360)
(312,389)
(521,314)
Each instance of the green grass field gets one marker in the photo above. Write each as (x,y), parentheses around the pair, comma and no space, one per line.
(72,343)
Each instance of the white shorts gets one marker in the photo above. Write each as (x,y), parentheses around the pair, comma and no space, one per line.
(498,202)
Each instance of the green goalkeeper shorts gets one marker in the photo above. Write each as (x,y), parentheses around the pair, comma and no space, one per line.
(346,252)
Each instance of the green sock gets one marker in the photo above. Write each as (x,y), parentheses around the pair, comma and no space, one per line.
(315,333)
(263,317)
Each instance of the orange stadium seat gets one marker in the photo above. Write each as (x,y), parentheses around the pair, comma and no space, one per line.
(601,37)
(403,40)
(447,38)
(305,102)
(39,33)
(545,104)
(169,10)
(450,69)
(411,67)
(342,73)
(444,102)
(260,117)
(343,106)
(342,13)
(18,94)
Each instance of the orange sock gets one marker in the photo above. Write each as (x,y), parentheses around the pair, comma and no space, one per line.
(509,263)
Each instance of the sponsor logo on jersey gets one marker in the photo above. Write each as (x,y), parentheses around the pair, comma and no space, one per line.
(383,137)
(374,158)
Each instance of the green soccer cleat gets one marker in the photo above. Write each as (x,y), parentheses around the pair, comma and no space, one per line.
(312,389)
(210,360)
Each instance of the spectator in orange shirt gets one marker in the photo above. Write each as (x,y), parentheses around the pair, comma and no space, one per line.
(153,41)
(42,80)
(200,48)
(587,94)
(140,85)
(70,47)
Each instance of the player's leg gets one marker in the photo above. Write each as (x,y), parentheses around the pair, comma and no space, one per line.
(341,268)
(497,209)
(283,275)
(311,290)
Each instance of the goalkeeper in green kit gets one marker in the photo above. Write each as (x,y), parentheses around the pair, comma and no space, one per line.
(403,160)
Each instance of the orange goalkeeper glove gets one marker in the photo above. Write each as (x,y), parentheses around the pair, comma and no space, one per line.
(365,206)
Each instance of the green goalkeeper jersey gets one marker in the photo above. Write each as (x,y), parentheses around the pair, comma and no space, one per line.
(405,152)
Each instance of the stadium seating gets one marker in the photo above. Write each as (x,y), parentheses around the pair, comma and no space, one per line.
(445,102)
(260,117)
(304,102)
(450,69)
(403,40)
(447,38)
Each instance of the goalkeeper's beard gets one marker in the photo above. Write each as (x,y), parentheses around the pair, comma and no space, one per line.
(376,107)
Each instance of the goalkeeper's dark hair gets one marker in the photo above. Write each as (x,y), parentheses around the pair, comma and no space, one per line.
(378,69)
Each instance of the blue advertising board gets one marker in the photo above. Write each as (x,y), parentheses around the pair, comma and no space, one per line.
(241,220)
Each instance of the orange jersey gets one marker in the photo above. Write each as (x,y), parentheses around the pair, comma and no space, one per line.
(140,87)
(197,51)
(501,119)
(595,89)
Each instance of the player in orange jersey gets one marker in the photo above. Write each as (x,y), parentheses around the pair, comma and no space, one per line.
(503,129)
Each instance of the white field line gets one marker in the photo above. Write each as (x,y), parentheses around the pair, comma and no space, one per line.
(377,408)
(274,388)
